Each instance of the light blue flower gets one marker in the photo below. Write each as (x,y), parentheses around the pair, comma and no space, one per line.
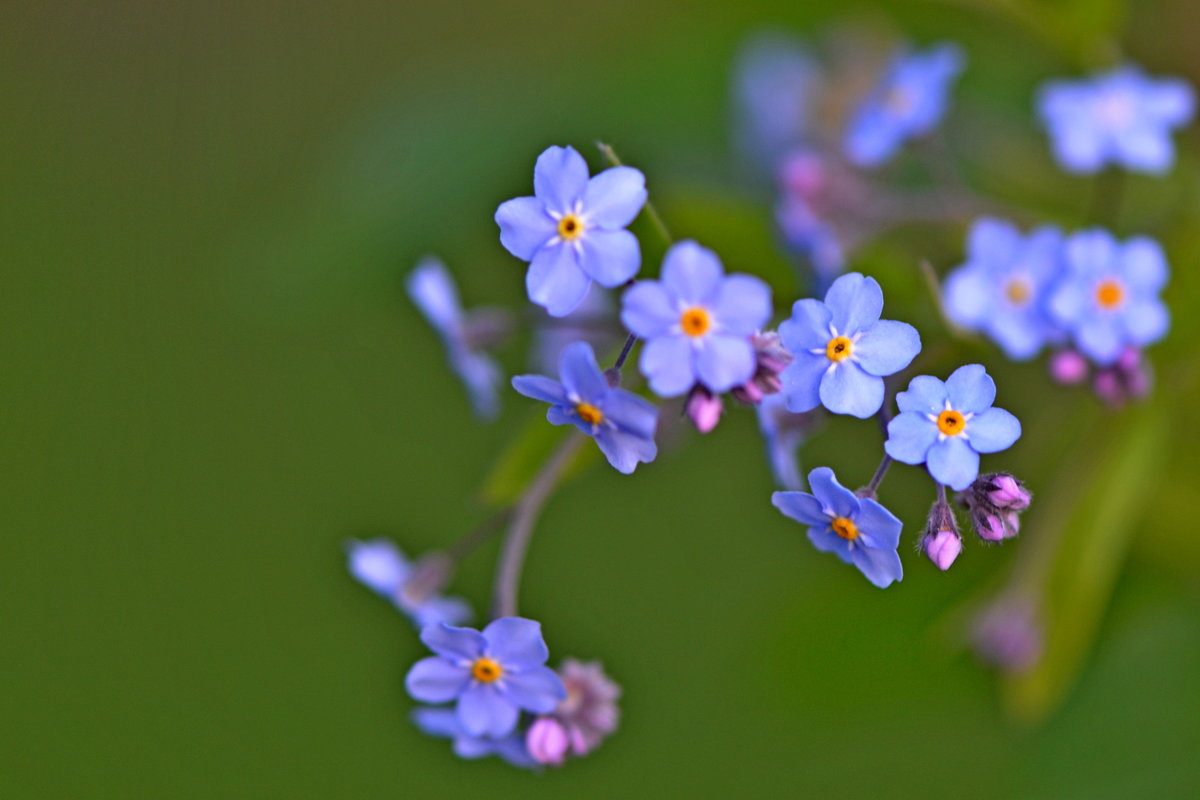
(382,567)
(783,433)
(492,675)
(443,722)
(775,85)
(433,292)
(947,425)
(1002,288)
(908,102)
(1108,298)
(572,231)
(622,423)
(842,349)
(696,322)
(858,530)
(1120,117)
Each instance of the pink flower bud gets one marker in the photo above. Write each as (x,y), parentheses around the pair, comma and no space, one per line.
(1009,493)
(942,548)
(991,528)
(1012,524)
(547,741)
(703,409)
(1108,387)
(1068,367)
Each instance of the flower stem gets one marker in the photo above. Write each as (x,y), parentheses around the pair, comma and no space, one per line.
(524,518)
(479,534)
(941,491)
(620,362)
(880,471)
(651,211)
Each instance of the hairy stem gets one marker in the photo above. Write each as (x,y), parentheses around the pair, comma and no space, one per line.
(880,471)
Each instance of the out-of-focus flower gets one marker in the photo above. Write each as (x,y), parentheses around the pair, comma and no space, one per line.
(909,102)
(432,290)
(493,675)
(1001,289)
(583,720)
(382,567)
(547,741)
(1108,297)
(783,431)
(594,321)
(696,322)
(1008,635)
(443,722)
(842,349)
(572,231)
(941,543)
(947,425)
(1127,379)
(1119,117)
(621,422)
(703,408)
(774,85)
(859,531)
(1068,367)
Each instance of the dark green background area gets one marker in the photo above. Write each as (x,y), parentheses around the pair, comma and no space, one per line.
(210,378)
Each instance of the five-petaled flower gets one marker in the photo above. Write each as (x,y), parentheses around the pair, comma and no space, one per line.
(381,566)
(842,349)
(572,231)
(622,423)
(858,530)
(947,425)
(697,322)
(493,675)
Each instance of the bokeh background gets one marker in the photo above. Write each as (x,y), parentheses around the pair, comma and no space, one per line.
(212,378)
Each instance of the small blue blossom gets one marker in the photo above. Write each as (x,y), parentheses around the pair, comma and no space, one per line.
(783,433)
(1108,298)
(697,322)
(908,102)
(381,566)
(493,675)
(1120,117)
(443,722)
(572,231)
(433,292)
(947,425)
(858,530)
(621,422)
(775,84)
(1002,289)
(843,349)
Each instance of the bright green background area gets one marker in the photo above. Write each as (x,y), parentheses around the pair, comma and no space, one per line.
(211,379)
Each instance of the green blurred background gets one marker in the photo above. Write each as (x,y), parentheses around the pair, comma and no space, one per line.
(212,378)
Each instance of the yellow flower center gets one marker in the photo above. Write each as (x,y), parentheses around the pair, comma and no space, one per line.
(1018,292)
(838,349)
(950,422)
(570,227)
(589,413)
(844,528)
(1109,294)
(695,322)
(485,670)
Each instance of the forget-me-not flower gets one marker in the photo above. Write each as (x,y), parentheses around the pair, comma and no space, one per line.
(908,102)
(382,567)
(622,423)
(572,231)
(842,349)
(432,290)
(947,425)
(1002,288)
(1120,117)
(1108,298)
(858,530)
(696,322)
(493,675)
(443,722)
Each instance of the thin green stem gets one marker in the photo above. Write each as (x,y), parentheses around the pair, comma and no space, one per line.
(651,211)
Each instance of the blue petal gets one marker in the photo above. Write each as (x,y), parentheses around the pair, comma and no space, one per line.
(625,451)
(992,430)
(1019,334)
(872,138)
(614,197)
(970,389)
(516,642)
(1099,337)
(456,644)
(565,415)
(877,526)
(969,295)
(887,347)
(580,374)
(437,610)
(848,390)
(610,257)
(479,375)
(1078,145)
(560,178)
(432,291)
(1092,251)
(1144,147)
(483,711)
(524,226)
(742,305)
(539,387)
(1146,321)
(993,241)
(631,413)
(437,722)
(692,273)
(926,395)
(436,680)
(833,496)
(802,381)
(1143,264)
(856,302)
(1068,302)
(808,327)
(881,567)
(378,564)
(648,310)
(825,540)
(555,280)
(800,506)
(953,462)
(1170,101)
(724,362)
(667,364)
(910,435)
(538,689)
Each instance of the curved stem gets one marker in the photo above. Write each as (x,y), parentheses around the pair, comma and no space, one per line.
(880,471)
(651,211)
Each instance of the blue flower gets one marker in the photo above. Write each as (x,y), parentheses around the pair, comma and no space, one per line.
(908,102)
(774,91)
(621,422)
(947,425)
(697,322)
(432,290)
(444,722)
(842,349)
(783,433)
(1108,297)
(382,567)
(858,529)
(1120,117)
(572,231)
(493,675)
(1002,289)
